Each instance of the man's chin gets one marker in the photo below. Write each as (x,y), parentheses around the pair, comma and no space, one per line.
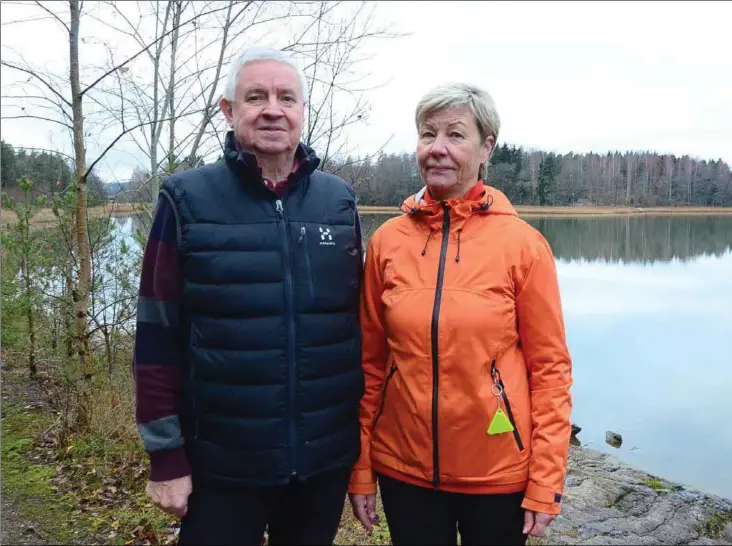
(272,148)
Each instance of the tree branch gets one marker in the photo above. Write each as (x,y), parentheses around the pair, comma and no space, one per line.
(123,133)
(40,97)
(44,8)
(35,75)
(117,67)
(28,116)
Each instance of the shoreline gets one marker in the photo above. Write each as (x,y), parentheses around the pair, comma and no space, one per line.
(46,218)
(572,211)
(608,501)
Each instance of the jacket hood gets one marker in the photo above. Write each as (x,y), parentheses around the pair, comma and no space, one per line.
(492,201)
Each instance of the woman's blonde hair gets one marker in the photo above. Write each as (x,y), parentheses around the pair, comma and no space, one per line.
(462,95)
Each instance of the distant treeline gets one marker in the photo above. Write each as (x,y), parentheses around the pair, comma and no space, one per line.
(540,178)
(50,173)
(527,177)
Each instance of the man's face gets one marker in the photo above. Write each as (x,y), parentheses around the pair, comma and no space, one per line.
(267,113)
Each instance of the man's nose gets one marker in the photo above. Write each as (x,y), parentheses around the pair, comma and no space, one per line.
(273,108)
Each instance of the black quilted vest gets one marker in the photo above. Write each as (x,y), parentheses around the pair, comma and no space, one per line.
(269,312)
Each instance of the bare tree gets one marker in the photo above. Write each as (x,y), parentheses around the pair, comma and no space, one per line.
(69,100)
(337,96)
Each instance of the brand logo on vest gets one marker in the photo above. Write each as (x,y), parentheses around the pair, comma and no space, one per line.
(326,239)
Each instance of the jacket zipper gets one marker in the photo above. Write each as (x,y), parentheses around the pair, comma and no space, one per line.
(497,376)
(304,237)
(435,346)
(291,361)
(392,371)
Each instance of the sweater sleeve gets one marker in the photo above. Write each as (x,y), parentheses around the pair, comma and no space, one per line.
(157,360)
(541,328)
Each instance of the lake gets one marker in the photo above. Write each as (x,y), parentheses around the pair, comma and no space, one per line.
(648,312)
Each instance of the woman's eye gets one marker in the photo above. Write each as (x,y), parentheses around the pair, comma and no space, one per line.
(456,135)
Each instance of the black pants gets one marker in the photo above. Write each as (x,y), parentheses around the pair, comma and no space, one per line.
(419,515)
(307,512)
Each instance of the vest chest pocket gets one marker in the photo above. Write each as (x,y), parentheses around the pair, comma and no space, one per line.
(328,265)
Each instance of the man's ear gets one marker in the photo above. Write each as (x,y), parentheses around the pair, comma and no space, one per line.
(225,106)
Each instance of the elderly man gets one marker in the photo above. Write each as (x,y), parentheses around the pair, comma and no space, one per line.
(247,355)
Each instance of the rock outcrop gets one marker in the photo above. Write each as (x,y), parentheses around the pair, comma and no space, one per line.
(608,502)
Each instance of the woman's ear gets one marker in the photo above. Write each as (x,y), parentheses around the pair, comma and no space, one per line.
(487,150)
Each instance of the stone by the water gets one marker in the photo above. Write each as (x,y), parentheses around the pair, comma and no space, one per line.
(613,439)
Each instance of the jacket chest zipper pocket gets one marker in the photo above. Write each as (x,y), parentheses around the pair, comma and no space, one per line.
(392,371)
(303,240)
(496,375)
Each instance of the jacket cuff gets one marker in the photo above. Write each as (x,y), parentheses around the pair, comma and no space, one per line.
(363,482)
(169,464)
(543,500)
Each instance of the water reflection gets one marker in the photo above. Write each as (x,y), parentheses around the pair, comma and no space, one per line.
(643,238)
(128,225)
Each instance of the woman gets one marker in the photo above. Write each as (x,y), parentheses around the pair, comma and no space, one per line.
(465,416)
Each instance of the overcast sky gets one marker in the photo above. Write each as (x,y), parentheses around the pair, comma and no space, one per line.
(566,76)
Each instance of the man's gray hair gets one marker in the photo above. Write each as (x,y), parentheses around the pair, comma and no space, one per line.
(462,95)
(258,53)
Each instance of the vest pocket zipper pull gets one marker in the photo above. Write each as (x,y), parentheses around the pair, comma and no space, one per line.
(302,235)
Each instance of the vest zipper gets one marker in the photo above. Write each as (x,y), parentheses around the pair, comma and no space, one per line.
(291,360)
(383,395)
(308,269)
(435,346)
(497,376)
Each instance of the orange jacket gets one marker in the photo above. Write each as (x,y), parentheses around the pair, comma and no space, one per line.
(455,309)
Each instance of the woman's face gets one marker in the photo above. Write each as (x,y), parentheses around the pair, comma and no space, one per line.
(450,151)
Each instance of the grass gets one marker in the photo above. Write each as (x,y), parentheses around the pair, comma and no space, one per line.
(714,526)
(655,484)
(27,483)
(91,488)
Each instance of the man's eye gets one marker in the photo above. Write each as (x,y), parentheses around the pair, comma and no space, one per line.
(288,99)
(255,98)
